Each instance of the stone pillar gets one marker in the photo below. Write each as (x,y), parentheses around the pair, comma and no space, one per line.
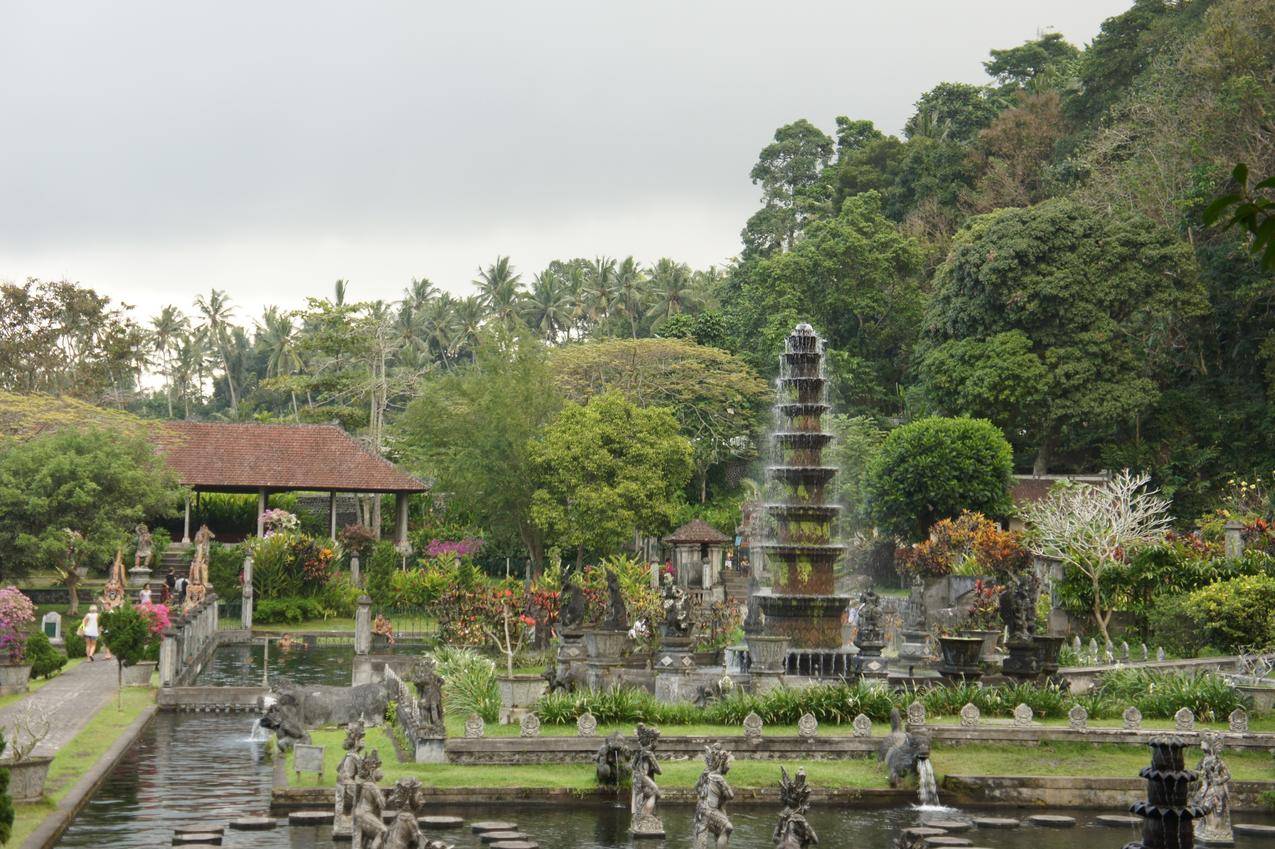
(245,615)
(186,526)
(262,499)
(356,578)
(400,519)
(332,514)
(1233,534)
(168,658)
(363,626)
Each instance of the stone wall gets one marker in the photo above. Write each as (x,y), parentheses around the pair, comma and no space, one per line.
(1072,792)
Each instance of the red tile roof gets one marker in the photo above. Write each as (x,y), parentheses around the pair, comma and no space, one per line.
(219,455)
(697,531)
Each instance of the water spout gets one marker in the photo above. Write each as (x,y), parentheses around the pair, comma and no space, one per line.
(258,734)
(927,787)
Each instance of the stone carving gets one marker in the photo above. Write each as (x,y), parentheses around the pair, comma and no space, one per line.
(203,541)
(369,808)
(145,548)
(1077,718)
(970,715)
(1237,722)
(1023,715)
(347,773)
(1159,654)
(1018,606)
(587,725)
(1145,652)
(645,793)
(571,612)
(558,678)
(901,749)
(407,797)
(752,727)
(1132,718)
(1213,796)
(1184,720)
(677,608)
(712,828)
(861,726)
(298,708)
(1108,653)
(793,831)
(1124,651)
(916,715)
(1166,813)
(611,761)
(529,725)
(429,696)
(617,615)
(708,693)
(808,726)
(114,591)
(1075,645)
(870,630)
(474,727)
(285,720)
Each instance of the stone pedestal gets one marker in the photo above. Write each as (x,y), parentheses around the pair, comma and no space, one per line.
(764,680)
(606,645)
(647,826)
(363,626)
(429,750)
(245,615)
(14,678)
(517,695)
(1023,660)
(768,654)
(873,666)
(601,674)
(913,657)
(139,576)
(572,657)
(960,658)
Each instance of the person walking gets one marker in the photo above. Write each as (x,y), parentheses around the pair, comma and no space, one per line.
(181,590)
(144,597)
(90,631)
(170,581)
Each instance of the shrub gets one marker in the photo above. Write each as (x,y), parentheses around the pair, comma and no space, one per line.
(17,613)
(126,631)
(288,611)
(45,660)
(469,683)
(1236,614)
(339,597)
(379,568)
(225,566)
(1160,695)
(357,540)
(74,642)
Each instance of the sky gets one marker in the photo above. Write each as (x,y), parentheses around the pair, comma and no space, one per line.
(154,150)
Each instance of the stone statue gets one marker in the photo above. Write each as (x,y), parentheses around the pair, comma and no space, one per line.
(113,592)
(617,615)
(645,792)
(713,691)
(369,808)
(284,721)
(347,773)
(902,749)
(203,540)
(429,696)
(870,630)
(299,708)
(712,827)
(145,548)
(677,608)
(611,761)
(793,831)
(572,609)
(1213,795)
(1018,606)
(916,604)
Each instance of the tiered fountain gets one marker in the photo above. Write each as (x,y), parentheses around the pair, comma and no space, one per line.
(802,605)
(1167,813)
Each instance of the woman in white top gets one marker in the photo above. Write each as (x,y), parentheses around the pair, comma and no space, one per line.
(144,597)
(91,632)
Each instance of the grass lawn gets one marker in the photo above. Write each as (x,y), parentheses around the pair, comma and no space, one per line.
(71,762)
(37,683)
(1104,761)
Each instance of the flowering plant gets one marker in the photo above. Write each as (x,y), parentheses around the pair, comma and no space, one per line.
(157,617)
(1000,552)
(984,609)
(460,548)
(16,615)
(357,539)
(279,520)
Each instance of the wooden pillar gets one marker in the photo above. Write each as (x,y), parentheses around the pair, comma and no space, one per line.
(262,500)
(186,527)
(332,514)
(400,519)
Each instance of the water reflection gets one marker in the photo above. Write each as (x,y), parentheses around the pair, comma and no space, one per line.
(245,665)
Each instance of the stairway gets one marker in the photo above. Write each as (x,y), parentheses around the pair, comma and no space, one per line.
(736,587)
(176,557)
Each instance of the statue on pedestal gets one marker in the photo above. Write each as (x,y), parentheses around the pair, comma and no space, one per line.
(712,827)
(429,696)
(1018,606)
(870,630)
(145,548)
(203,540)
(113,593)
(610,761)
(793,831)
(369,809)
(347,773)
(617,615)
(677,608)
(572,610)
(645,792)
(1213,795)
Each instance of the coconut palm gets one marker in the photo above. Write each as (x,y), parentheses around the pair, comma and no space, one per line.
(499,291)
(277,336)
(467,321)
(547,308)
(673,289)
(166,332)
(217,313)
(631,291)
(600,288)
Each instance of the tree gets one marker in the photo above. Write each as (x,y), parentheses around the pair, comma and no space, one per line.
(716,398)
(1094,529)
(99,483)
(933,469)
(470,431)
(1015,152)
(954,112)
(217,313)
(1048,56)
(499,290)
(125,632)
(166,332)
(789,171)
(1106,303)
(605,470)
(1251,212)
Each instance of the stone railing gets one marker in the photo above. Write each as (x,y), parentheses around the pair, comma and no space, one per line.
(188,643)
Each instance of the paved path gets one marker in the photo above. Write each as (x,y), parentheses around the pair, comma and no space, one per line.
(70,700)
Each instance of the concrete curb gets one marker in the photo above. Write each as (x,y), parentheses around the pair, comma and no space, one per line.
(48,832)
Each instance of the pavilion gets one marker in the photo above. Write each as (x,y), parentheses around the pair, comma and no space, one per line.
(266,458)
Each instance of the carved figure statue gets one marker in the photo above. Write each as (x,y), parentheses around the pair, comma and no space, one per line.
(916,604)
(645,792)
(617,615)
(712,827)
(870,630)
(299,708)
(113,592)
(347,773)
(1018,606)
(145,548)
(677,608)
(284,721)
(203,540)
(571,611)
(611,761)
(706,694)
(369,809)
(901,749)
(793,831)
(557,682)
(429,696)
(1213,794)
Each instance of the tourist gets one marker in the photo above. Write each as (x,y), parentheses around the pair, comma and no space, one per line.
(165,595)
(170,581)
(181,590)
(90,631)
(144,597)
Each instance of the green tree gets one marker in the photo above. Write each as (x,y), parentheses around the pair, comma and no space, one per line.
(217,313)
(954,112)
(99,483)
(789,171)
(607,469)
(934,468)
(470,431)
(1048,57)
(1105,301)
(126,632)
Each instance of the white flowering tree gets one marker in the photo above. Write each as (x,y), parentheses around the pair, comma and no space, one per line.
(1095,528)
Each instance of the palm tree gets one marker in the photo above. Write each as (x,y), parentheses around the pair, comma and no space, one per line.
(277,335)
(189,364)
(338,292)
(498,290)
(673,289)
(166,331)
(217,313)
(468,319)
(630,289)
(547,308)
(600,288)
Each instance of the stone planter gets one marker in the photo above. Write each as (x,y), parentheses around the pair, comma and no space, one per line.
(518,694)
(1263,695)
(606,645)
(706,658)
(768,653)
(14,678)
(959,658)
(990,639)
(1023,661)
(26,779)
(1049,647)
(139,674)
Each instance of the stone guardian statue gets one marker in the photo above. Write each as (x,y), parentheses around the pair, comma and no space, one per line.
(793,831)
(712,827)
(645,792)
(1213,793)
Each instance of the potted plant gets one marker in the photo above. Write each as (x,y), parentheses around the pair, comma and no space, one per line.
(959,656)
(984,616)
(27,770)
(17,614)
(508,630)
(126,632)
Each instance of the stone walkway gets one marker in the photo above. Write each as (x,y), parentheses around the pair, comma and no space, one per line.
(70,700)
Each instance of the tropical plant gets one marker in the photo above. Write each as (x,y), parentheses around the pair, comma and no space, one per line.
(469,683)
(17,614)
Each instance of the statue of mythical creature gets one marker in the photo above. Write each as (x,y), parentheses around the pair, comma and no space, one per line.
(319,705)
(283,718)
(347,773)
(572,609)
(870,630)
(203,540)
(557,683)
(712,827)
(901,749)
(611,761)
(145,548)
(113,592)
(369,809)
(793,831)
(1213,794)
(429,696)
(617,615)
(706,694)
(645,792)
(677,608)
(1018,606)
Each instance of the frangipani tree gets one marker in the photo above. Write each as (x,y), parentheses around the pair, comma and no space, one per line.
(1095,528)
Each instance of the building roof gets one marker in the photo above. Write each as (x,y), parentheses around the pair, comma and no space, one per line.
(247,457)
(696,531)
(1031,488)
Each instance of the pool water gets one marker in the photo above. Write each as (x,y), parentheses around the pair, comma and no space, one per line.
(245,665)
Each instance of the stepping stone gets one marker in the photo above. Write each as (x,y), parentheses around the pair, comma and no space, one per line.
(1253,829)
(492,825)
(253,824)
(950,826)
(199,829)
(497,836)
(440,822)
(923,831)
(945,840)
(1052,821)
(1117,820)
(310,817)
(996,822)
(515,844)
(205,838)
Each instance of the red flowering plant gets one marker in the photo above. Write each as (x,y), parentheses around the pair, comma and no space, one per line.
(984,609)
(1000,553)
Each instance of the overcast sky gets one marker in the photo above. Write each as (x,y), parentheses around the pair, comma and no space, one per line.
(152,150)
